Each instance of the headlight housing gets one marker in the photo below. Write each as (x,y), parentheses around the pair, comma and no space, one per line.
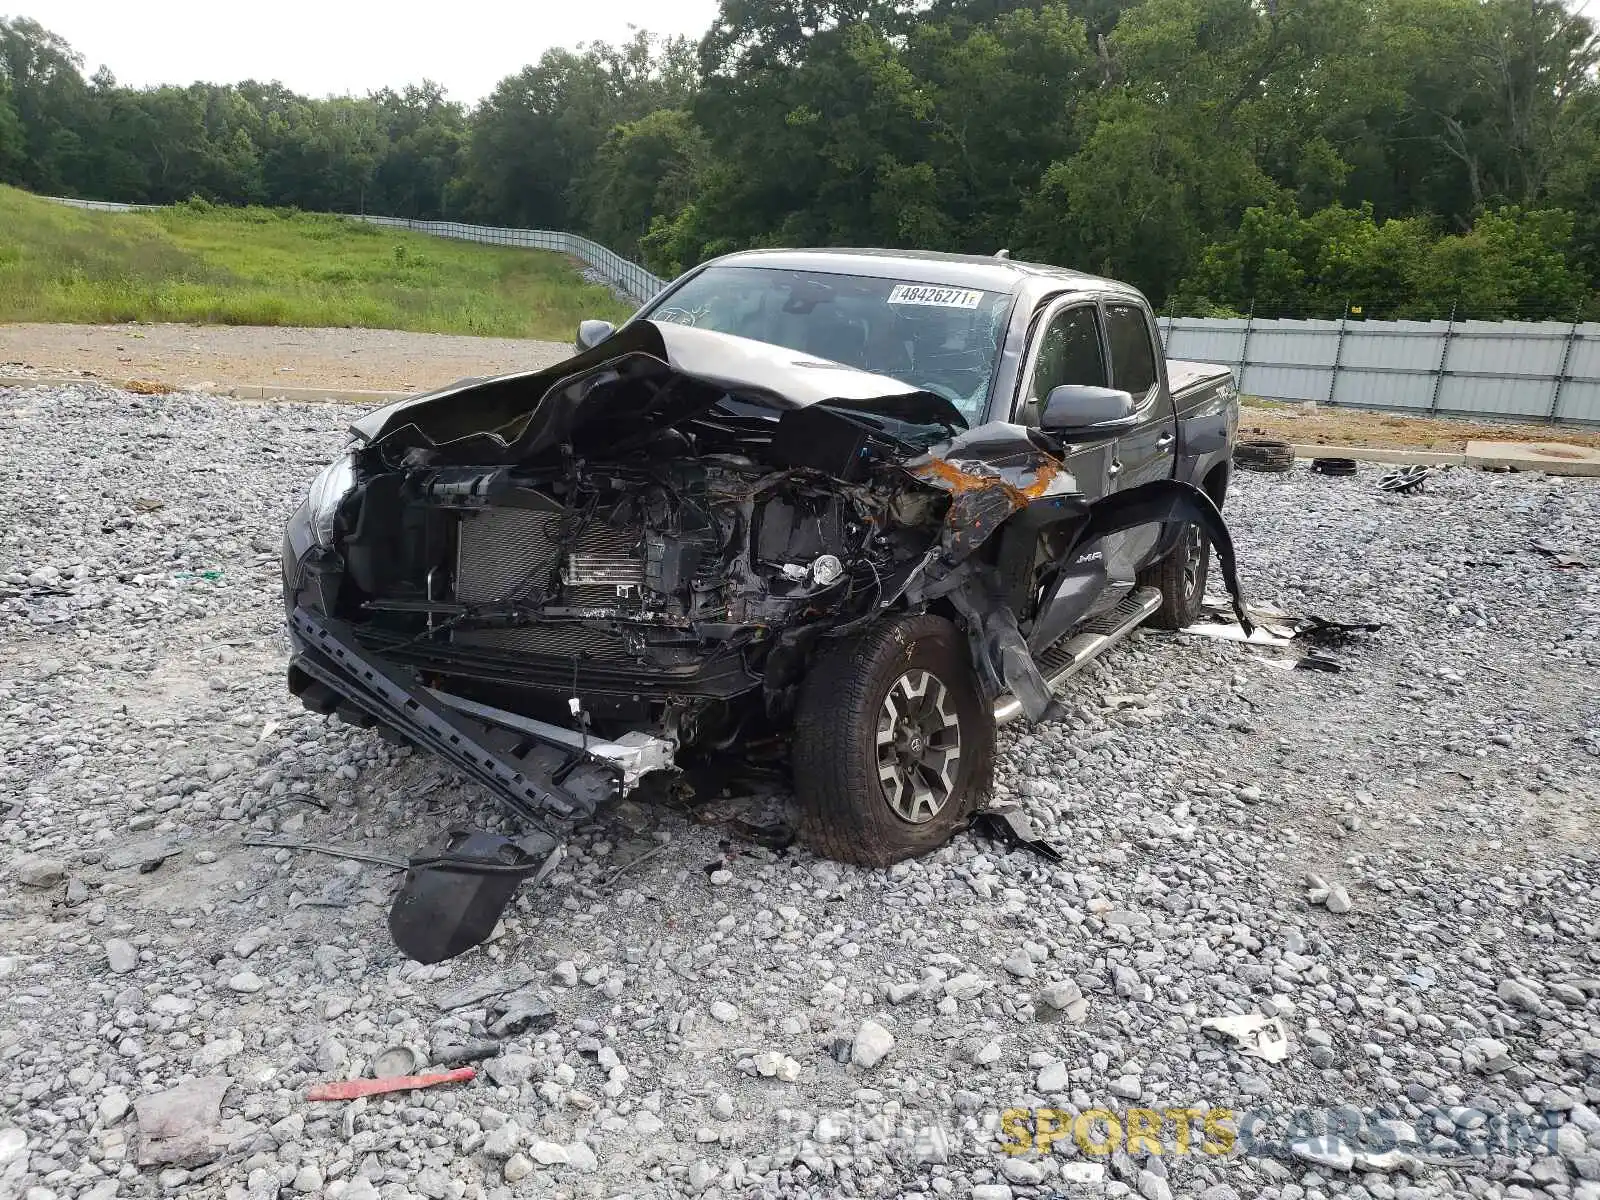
(328,491)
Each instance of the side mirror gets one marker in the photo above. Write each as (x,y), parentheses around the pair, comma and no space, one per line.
(592,333)
(1080,413)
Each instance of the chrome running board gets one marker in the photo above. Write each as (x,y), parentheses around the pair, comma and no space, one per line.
(1072,653)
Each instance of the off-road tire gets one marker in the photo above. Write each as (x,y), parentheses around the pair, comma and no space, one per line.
(1182,592)
(844,812)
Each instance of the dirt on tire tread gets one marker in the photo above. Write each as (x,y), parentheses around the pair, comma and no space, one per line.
(822,768)
(1168,576)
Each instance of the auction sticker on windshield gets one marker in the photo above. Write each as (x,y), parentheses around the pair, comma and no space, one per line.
(943,297)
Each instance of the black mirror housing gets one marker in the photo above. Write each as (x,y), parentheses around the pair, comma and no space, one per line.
(592,333)
(1078,412)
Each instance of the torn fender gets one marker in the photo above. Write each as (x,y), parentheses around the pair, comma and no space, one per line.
(999,651)
(990,473)
(1170,501)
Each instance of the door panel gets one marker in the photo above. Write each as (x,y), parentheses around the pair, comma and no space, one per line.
(1150,451)
(1069,348)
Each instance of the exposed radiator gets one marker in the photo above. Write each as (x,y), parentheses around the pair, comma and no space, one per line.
(605,569)
(507,554)
(556,640)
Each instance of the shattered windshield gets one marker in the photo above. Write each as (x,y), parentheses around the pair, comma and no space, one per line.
(934,337)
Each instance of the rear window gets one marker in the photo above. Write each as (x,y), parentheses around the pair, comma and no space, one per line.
(1133,354)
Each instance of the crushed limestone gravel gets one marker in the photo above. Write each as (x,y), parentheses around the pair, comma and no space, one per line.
(732,1021)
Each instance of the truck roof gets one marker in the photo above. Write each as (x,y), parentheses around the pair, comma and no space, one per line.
(925,266)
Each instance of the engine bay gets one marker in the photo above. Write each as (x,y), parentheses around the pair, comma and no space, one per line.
(671,568)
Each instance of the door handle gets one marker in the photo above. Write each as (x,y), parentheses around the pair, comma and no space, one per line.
(1114,469)
(1165,440)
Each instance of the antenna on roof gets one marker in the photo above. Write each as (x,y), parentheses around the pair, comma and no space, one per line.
(1002,254)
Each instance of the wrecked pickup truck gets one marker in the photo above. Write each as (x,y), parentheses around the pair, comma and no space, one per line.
(866,505)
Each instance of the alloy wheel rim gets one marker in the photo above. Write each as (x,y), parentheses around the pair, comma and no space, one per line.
(919,746)
(1194,559)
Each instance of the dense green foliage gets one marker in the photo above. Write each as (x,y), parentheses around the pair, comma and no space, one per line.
(259,266)
(1302,157)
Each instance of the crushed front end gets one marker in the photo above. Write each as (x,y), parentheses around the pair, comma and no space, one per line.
(562,599)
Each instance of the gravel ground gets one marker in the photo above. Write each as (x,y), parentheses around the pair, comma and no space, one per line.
(1320,425)
(234,355)
(1441,989)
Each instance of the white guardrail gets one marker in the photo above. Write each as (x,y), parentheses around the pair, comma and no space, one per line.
(627,277)
(1495,370)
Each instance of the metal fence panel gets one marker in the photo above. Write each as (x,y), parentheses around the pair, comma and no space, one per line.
(1281,346)
(1383,350)
(1578,398)
(1220,341)
(1522,349)
(1513,370)
(1577,390)
(1477,396)
(1284,383)
(1359,387)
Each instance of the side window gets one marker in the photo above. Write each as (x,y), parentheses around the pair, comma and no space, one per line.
(1133,356)
(1069,352)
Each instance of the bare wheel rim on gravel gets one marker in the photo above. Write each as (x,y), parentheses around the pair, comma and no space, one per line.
(919,746)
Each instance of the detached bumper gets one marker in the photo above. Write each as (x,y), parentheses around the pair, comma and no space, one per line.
(536,771)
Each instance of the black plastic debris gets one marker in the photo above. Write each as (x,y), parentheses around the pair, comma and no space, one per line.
(1011,827)
(525,1011)
(1318,631)
(1317,661)
(365,856)
(1334,466)
(454,893)
(1405,481)
(751,799)
(464,1053)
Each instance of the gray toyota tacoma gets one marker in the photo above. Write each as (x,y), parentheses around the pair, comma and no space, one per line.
(862,505)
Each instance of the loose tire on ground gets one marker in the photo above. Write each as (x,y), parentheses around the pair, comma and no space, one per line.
(845,809)
(1181,576)
(1264,454)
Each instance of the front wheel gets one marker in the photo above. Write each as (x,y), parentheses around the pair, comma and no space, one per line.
(893,744)
(1181,576)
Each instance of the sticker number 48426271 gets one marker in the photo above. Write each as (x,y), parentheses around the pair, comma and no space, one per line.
(943,297)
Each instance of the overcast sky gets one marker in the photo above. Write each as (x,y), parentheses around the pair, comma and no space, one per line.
(320,47)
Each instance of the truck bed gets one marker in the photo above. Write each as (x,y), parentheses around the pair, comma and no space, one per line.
(1184,376)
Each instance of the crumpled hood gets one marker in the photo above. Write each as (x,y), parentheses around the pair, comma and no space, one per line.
(544,407)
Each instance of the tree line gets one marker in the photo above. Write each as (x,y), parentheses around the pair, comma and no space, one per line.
(1385,158)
